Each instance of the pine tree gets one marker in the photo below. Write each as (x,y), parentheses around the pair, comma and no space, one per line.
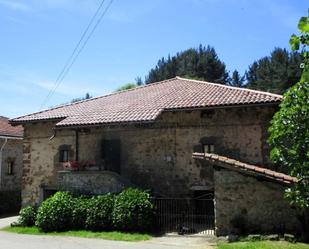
(275,73)
(87,96)
(138,81)
(236,79)
(198,63)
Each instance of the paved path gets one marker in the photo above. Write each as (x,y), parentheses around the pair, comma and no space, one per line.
(18,241)
(7,221)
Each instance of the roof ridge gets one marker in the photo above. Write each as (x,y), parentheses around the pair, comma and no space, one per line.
(94,98)
(232,87)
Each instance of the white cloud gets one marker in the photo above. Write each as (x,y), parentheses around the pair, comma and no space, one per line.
(68,89)
(15,5)
(122,12)
(23,82)
(37,5)
(84,5)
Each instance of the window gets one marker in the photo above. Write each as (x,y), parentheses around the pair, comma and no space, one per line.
(10,167)
(209,148)
(64,155)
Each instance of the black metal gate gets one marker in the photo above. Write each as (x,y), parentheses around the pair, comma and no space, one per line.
(185,216)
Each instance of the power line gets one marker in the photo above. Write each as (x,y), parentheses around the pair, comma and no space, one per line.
(87,39)
(76,52)
(75,49)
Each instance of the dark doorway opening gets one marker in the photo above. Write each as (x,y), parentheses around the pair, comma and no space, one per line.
(207,205)
(111,155)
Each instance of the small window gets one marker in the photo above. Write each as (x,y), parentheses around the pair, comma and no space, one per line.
(10,167)
(64,156)
(209,148)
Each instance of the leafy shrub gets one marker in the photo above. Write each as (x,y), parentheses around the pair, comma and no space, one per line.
(79,212)
(133,211)
(55,213)
(27,216)
(99,215)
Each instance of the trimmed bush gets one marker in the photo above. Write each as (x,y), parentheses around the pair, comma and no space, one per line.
(27,216)
(55,213)
(133,211)
(79,212)
(99,215)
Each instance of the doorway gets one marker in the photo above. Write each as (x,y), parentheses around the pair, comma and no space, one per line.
(111,155)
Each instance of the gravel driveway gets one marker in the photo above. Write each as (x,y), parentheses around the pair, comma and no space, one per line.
(18,241)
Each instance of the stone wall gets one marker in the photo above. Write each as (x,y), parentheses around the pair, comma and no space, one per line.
(260,205)
(91,182)
(10,184)
(41,159)
(12,152)
(157,156)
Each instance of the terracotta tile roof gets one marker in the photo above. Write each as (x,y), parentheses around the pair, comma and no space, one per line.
(8,130)
(232,164)
(144,104)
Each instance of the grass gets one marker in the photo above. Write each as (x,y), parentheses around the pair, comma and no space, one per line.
(263,245)
(121,236)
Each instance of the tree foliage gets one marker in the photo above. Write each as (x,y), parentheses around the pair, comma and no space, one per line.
(133,211)
(139,81)
(236,79)
(289,131)
(27,216)
(126,87)
(55,213)
(275,73)
(201,63)
(99,215)
(87,96)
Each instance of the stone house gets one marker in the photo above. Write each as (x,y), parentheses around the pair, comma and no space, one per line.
(179,138)
(11,153)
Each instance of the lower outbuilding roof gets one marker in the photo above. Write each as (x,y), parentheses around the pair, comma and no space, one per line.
(145,103)
(7,130)
(253,170)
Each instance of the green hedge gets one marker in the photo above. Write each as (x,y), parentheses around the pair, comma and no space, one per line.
(133,211)
(27,217)
(80,208)
(99,216)
(55,213)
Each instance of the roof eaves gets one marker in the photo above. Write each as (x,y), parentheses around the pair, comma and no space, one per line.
(249,169)
(204,107)
(15,122)
(98,124)
(9,136)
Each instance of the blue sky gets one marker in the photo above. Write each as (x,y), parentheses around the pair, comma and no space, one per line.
(37,37)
